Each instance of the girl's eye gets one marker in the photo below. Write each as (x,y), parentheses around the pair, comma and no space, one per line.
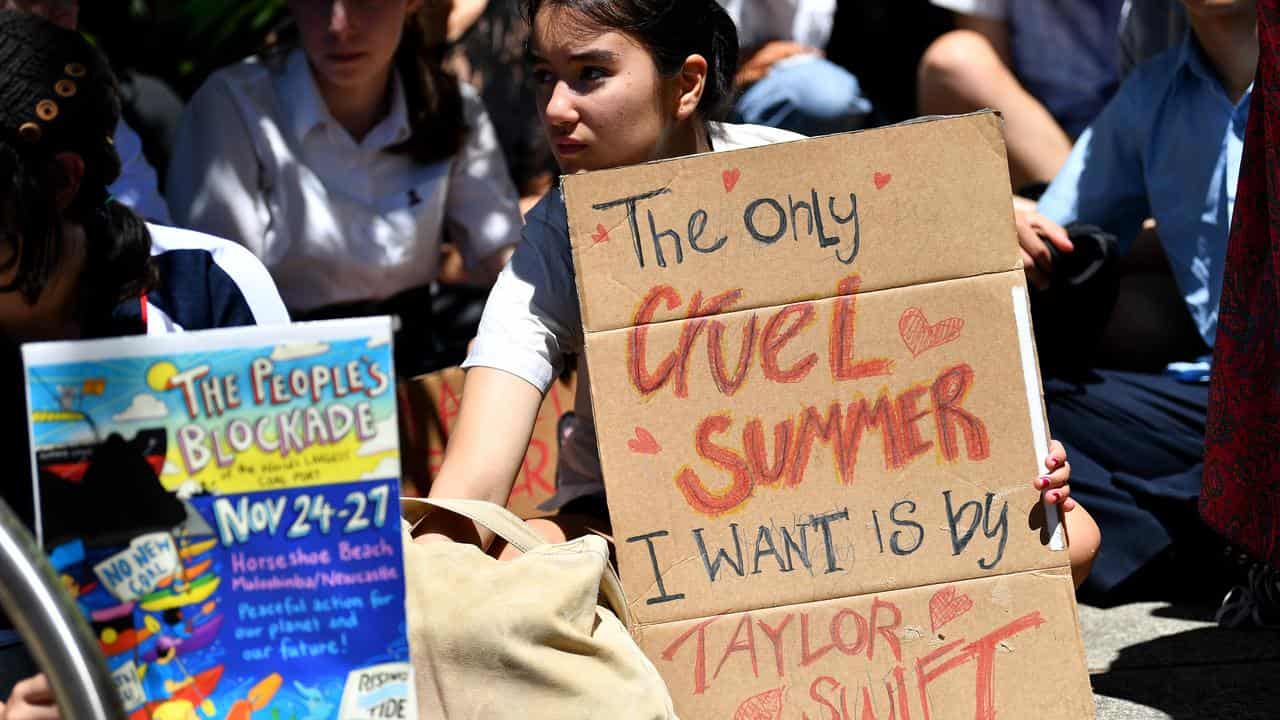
(541,76)
(591,74)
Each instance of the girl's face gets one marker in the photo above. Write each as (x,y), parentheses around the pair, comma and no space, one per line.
(600,97)
(351,43)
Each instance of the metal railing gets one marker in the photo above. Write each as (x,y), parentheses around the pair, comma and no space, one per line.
(52,627)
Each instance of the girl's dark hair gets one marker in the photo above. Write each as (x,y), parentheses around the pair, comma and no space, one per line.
(433,96)
(671,30)
(118,244)
(437,120)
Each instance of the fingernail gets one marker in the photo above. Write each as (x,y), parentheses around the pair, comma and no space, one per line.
(1042,483)
(1053,496)
(1054,462)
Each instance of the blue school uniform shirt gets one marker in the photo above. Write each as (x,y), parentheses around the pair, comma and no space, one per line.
(1168,147)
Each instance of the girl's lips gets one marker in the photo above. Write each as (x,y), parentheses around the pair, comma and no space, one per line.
(569,147)
(346,57)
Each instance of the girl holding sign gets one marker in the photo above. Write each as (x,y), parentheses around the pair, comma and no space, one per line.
(620,83)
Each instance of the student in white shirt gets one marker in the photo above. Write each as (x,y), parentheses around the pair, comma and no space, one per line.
(784,79)
(608,97)
(343,160)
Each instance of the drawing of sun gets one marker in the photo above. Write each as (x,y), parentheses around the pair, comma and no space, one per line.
(160,375)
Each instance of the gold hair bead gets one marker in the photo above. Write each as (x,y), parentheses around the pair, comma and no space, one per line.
(30,132)
(47,110)
(111,141)
(65,88)
(76,70)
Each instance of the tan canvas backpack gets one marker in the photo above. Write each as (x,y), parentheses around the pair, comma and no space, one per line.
(529,638)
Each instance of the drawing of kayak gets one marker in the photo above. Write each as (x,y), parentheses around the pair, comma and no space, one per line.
(113,613)
(188,574)
(167,599)
(123,642)
(195,549)
(201,636)
(257,699)
(193,693)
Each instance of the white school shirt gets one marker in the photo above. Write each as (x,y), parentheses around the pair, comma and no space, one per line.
(532,320)
(808,22)
(260,160)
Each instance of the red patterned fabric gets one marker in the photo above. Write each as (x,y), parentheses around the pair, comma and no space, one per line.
(1241,495)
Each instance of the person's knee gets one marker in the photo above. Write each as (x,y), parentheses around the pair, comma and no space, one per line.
(809,95)
(957,67)
(826,92)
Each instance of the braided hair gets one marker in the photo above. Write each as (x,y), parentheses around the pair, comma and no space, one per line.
(58,95)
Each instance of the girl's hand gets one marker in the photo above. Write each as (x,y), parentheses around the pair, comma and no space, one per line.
(1033,231)
(1054,483)
(32,699)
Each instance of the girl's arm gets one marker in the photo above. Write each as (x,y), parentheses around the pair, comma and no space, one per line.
(485,450)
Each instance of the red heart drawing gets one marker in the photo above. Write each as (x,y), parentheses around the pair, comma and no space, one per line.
(765,706)
(731,178)
(946,605)
(602,235)
(919,336)
(644,443)
(882,179)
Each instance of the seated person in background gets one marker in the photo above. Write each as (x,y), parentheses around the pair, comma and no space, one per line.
(343,159)
(1168,146)
(1048,65)
(74,263)
(136,187)
(783,78)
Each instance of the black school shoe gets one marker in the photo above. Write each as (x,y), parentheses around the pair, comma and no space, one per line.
(1255,603)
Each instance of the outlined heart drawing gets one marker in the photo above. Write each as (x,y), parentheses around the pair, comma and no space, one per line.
(601,235)
(919,336)
(946,605)
(882,179)
(731,178)
(644,443)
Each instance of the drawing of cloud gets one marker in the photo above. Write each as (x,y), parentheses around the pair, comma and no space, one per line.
(298,350)
(387,439)
(170,468)
(143,407)
(388,468)
(377,342)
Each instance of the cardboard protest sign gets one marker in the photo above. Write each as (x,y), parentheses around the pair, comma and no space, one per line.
(819,411)
(432,403)
(223,508)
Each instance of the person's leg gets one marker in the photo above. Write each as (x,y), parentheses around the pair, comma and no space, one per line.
(807,94)
(961,72)
(1135,444)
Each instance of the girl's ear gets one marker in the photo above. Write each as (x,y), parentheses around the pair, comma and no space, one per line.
(692,81)
(72,167)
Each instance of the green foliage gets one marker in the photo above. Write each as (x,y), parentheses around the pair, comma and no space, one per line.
(180,41)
